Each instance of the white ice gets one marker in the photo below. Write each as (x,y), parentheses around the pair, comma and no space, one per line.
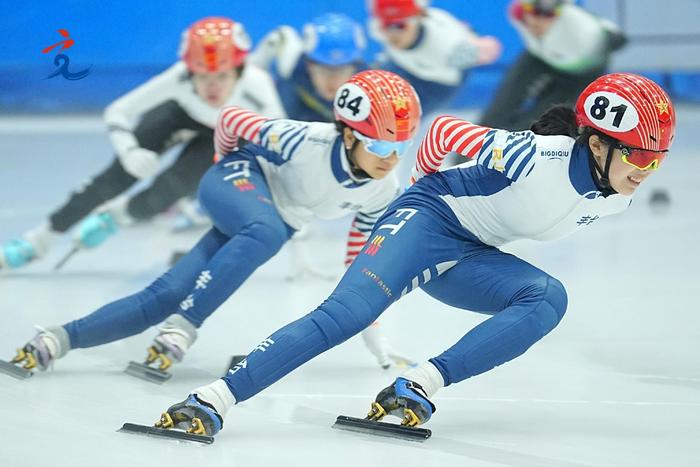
(617,383)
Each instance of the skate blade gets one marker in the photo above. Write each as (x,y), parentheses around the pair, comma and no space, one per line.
(154,375)
(391,430)
(14,370)
(132,428)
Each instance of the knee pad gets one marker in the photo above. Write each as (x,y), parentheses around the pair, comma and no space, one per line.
(271,236)
(552,307)
(343,315)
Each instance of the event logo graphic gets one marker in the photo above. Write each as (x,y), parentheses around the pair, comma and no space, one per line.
(62,61)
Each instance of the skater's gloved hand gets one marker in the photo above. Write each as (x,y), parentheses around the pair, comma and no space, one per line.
(139,162)
(281,46)
(95,229)
(489,49)
(379,346)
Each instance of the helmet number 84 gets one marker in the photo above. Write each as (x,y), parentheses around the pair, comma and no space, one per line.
(352,103)
(612,112)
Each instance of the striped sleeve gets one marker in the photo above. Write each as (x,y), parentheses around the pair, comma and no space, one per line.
(283,136)
(360,230)
(235,122)
(509,153)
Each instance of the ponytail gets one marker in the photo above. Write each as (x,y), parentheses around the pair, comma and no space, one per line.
(557,120)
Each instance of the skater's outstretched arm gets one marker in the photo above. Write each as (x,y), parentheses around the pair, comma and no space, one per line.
(510,153)
(278,135)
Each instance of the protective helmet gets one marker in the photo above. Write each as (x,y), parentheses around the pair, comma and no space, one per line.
(380,105)
(630,109)
(214,44)
(333,39)
(394,11)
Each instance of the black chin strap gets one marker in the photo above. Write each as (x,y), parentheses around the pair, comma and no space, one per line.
(602,176)
(354,168)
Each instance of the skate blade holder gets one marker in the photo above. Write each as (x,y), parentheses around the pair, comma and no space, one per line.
(168,433)
(391,430)
(148,373)
(15,371)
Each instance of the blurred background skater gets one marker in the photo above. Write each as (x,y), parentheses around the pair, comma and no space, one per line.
(566,47)
(257,196)
(311,66)
(180,105)
(429,47)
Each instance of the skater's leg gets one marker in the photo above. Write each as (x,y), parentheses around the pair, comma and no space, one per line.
(177,181)
(519,84)
(105,186)
(526,304)
(236,195)
(135,313)
(153,132)
(36,242)
(377,277)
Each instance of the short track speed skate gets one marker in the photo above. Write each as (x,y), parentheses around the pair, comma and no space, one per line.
(404,399)
(13,369)
(189,420)
(37,354)
(154,368)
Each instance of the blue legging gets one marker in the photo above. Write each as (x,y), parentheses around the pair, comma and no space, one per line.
(413,246)
(247,232)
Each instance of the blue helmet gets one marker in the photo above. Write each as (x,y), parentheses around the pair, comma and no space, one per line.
(333,39)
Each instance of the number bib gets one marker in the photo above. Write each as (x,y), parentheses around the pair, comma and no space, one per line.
(611,112)
(352,103)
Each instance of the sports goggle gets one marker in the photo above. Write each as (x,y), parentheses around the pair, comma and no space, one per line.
(534,10)
(399,25)
(643,159)
(383,149)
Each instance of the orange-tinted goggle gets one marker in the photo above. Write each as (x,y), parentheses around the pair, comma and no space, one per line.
(643,159)
(534,10)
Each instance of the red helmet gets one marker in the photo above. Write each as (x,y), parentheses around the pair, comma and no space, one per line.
(214,44)
(629,108)
(380,105)
(394,11)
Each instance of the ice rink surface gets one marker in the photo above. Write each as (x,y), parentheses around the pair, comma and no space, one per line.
(617,383)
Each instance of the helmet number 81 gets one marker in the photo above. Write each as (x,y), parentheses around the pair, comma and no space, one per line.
(611,112)
(599,110)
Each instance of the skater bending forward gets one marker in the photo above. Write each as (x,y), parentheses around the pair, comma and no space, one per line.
(258,197)
(444,233)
